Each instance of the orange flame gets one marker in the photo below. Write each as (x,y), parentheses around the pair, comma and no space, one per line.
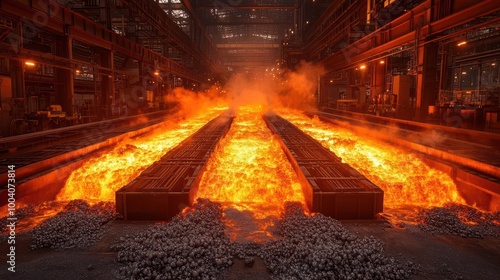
(249,171)
(403,176)
(102,175)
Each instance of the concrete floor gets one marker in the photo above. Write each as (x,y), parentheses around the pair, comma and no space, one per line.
(440,257)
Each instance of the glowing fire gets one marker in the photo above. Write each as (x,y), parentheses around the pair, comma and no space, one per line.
(42,212)
(102,175)
(249,170)
(405,179)
(29,216)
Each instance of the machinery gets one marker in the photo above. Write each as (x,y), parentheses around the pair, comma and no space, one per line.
(55,111)
(383,104)
(393,104)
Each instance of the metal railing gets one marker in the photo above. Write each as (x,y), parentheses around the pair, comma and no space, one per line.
(473,97)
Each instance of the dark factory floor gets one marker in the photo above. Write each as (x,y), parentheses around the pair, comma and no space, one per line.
(438,257)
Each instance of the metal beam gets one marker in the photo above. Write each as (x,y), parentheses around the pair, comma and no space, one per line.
(242,7)
(248,22)
(251,57)
(247,46)
(252,63)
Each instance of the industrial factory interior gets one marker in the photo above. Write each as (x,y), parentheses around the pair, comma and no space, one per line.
(249,139)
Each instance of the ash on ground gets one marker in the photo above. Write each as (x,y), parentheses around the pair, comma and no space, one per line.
(318,247)
(196,245)
(460,220)
(192,246)
(19,214)
(78,225)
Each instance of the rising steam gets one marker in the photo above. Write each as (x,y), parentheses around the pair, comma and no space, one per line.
(275,89)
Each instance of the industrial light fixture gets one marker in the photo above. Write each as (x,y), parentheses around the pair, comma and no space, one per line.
(157,73)
(29,63)
(462,43)
(382,61)
(77,71)
(362,67)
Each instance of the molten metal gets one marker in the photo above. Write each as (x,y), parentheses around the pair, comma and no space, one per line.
(249,170)
(405,179)
(102,175)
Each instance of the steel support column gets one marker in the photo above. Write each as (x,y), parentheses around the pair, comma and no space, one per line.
(427,86)
(107,95)
(64,78)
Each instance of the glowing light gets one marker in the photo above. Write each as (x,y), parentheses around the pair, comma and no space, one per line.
(102,175)
(29,63)
(362,67)
(404,177)
(249,170)
(382,62)
(156,73)
(462,43)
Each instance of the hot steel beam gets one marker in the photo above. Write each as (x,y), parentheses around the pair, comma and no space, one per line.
(330,187)
(170,184)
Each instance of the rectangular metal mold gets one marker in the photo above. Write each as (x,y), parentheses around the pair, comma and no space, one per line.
(170,184)
(330,187)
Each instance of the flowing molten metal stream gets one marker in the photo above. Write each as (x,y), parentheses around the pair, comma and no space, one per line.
(250,172)
(405,178)
(102,175)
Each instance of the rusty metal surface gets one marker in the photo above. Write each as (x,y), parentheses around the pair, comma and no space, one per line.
(330,186)
(170,184)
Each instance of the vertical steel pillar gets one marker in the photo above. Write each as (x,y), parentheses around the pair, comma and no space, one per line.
(108,83)
(427,86)
(64,78)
